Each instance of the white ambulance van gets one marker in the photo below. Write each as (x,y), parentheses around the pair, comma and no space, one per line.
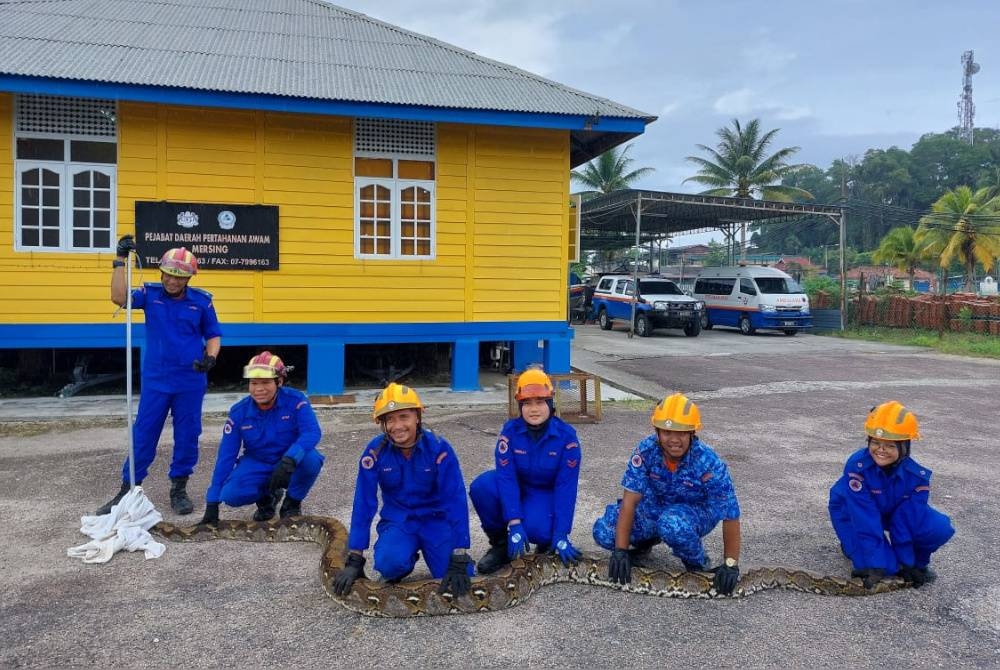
(750,298)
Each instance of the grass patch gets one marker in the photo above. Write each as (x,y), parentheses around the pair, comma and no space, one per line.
(961,344)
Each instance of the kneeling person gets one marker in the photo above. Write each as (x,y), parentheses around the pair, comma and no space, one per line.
(676,491)
(268,446)
(531,494)
(423,500)
(880,507)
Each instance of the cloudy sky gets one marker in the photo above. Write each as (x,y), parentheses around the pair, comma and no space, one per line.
(837,78)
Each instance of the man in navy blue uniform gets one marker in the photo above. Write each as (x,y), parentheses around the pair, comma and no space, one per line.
(183,339)
(677,490)
(423,500)
(276,428)
(880,506)
(531,495)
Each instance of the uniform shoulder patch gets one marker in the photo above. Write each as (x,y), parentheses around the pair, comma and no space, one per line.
(573,445)
(302,403)
(636,461)
(228,428)
(572,463)
(367,462)
(502,446)
(855,485)
(443,455)
(922,488)
(705,477)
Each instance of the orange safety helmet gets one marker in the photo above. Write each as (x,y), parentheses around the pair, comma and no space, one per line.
(676,412)
(533,383)
(892,421)
(265,365)
(179,262)
(395,397)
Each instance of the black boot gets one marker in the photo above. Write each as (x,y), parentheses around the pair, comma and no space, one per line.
(496,557)
(290,507)
(265,508)
(106,507)
(641,549)
(179,500)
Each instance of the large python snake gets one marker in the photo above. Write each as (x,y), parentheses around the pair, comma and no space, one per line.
(508,587)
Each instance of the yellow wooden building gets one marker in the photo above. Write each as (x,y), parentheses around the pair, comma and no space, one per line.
(419,193)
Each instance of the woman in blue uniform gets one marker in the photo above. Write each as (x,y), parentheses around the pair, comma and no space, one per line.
(531,494)
(880,507)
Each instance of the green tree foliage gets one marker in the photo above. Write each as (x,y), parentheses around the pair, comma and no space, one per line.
(716,255)
(963,226)
(901,249)
(611,171)
(740,165)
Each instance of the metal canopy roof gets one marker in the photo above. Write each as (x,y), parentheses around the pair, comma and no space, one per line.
(609,221)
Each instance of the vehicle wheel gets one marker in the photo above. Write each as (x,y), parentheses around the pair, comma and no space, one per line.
(693,328)
(705,323)
(642,326)
(604,320)
(791,332)
(745,326)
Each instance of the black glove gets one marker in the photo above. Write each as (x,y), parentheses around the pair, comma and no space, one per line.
(125,245)
(915,576)
(206,363)
(620,566)
(456,580)
(345,577)
(726,578)
(870,576)
(211,517)
(282,474)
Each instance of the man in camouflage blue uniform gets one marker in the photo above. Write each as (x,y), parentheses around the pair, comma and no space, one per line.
(268,446)
(676,490)
(880,506)
(424,508)
(183,339)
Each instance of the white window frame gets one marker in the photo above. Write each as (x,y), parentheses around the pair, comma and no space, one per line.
(396,187)
(66,169)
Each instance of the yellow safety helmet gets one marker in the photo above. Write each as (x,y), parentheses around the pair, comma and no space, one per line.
(676,412)
(892,421)
(265,365)
(395,397)
(533,383)
(179,262)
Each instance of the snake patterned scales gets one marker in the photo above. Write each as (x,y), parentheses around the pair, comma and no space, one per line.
(508,587)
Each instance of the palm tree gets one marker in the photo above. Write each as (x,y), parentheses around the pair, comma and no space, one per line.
(901,249)
(963,225)
(741,168)
(610,171)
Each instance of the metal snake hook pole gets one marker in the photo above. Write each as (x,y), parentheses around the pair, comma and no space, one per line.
(128,369)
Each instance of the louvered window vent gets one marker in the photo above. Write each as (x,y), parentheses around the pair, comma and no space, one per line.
(90,117)
(390,136)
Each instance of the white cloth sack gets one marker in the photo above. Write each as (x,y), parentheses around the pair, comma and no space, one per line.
(126,527)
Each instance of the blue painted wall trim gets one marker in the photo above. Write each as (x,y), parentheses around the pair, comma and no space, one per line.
(326,342)
(274,103)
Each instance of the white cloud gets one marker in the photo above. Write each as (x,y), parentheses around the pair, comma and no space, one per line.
(746,101)
(767,56)
(666,109)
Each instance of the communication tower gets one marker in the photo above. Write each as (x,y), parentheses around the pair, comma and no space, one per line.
(966,109)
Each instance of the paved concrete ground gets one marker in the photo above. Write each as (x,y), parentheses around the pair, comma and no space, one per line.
(784,412)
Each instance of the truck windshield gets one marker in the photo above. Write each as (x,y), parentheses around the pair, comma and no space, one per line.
(659,288)
(777,285)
